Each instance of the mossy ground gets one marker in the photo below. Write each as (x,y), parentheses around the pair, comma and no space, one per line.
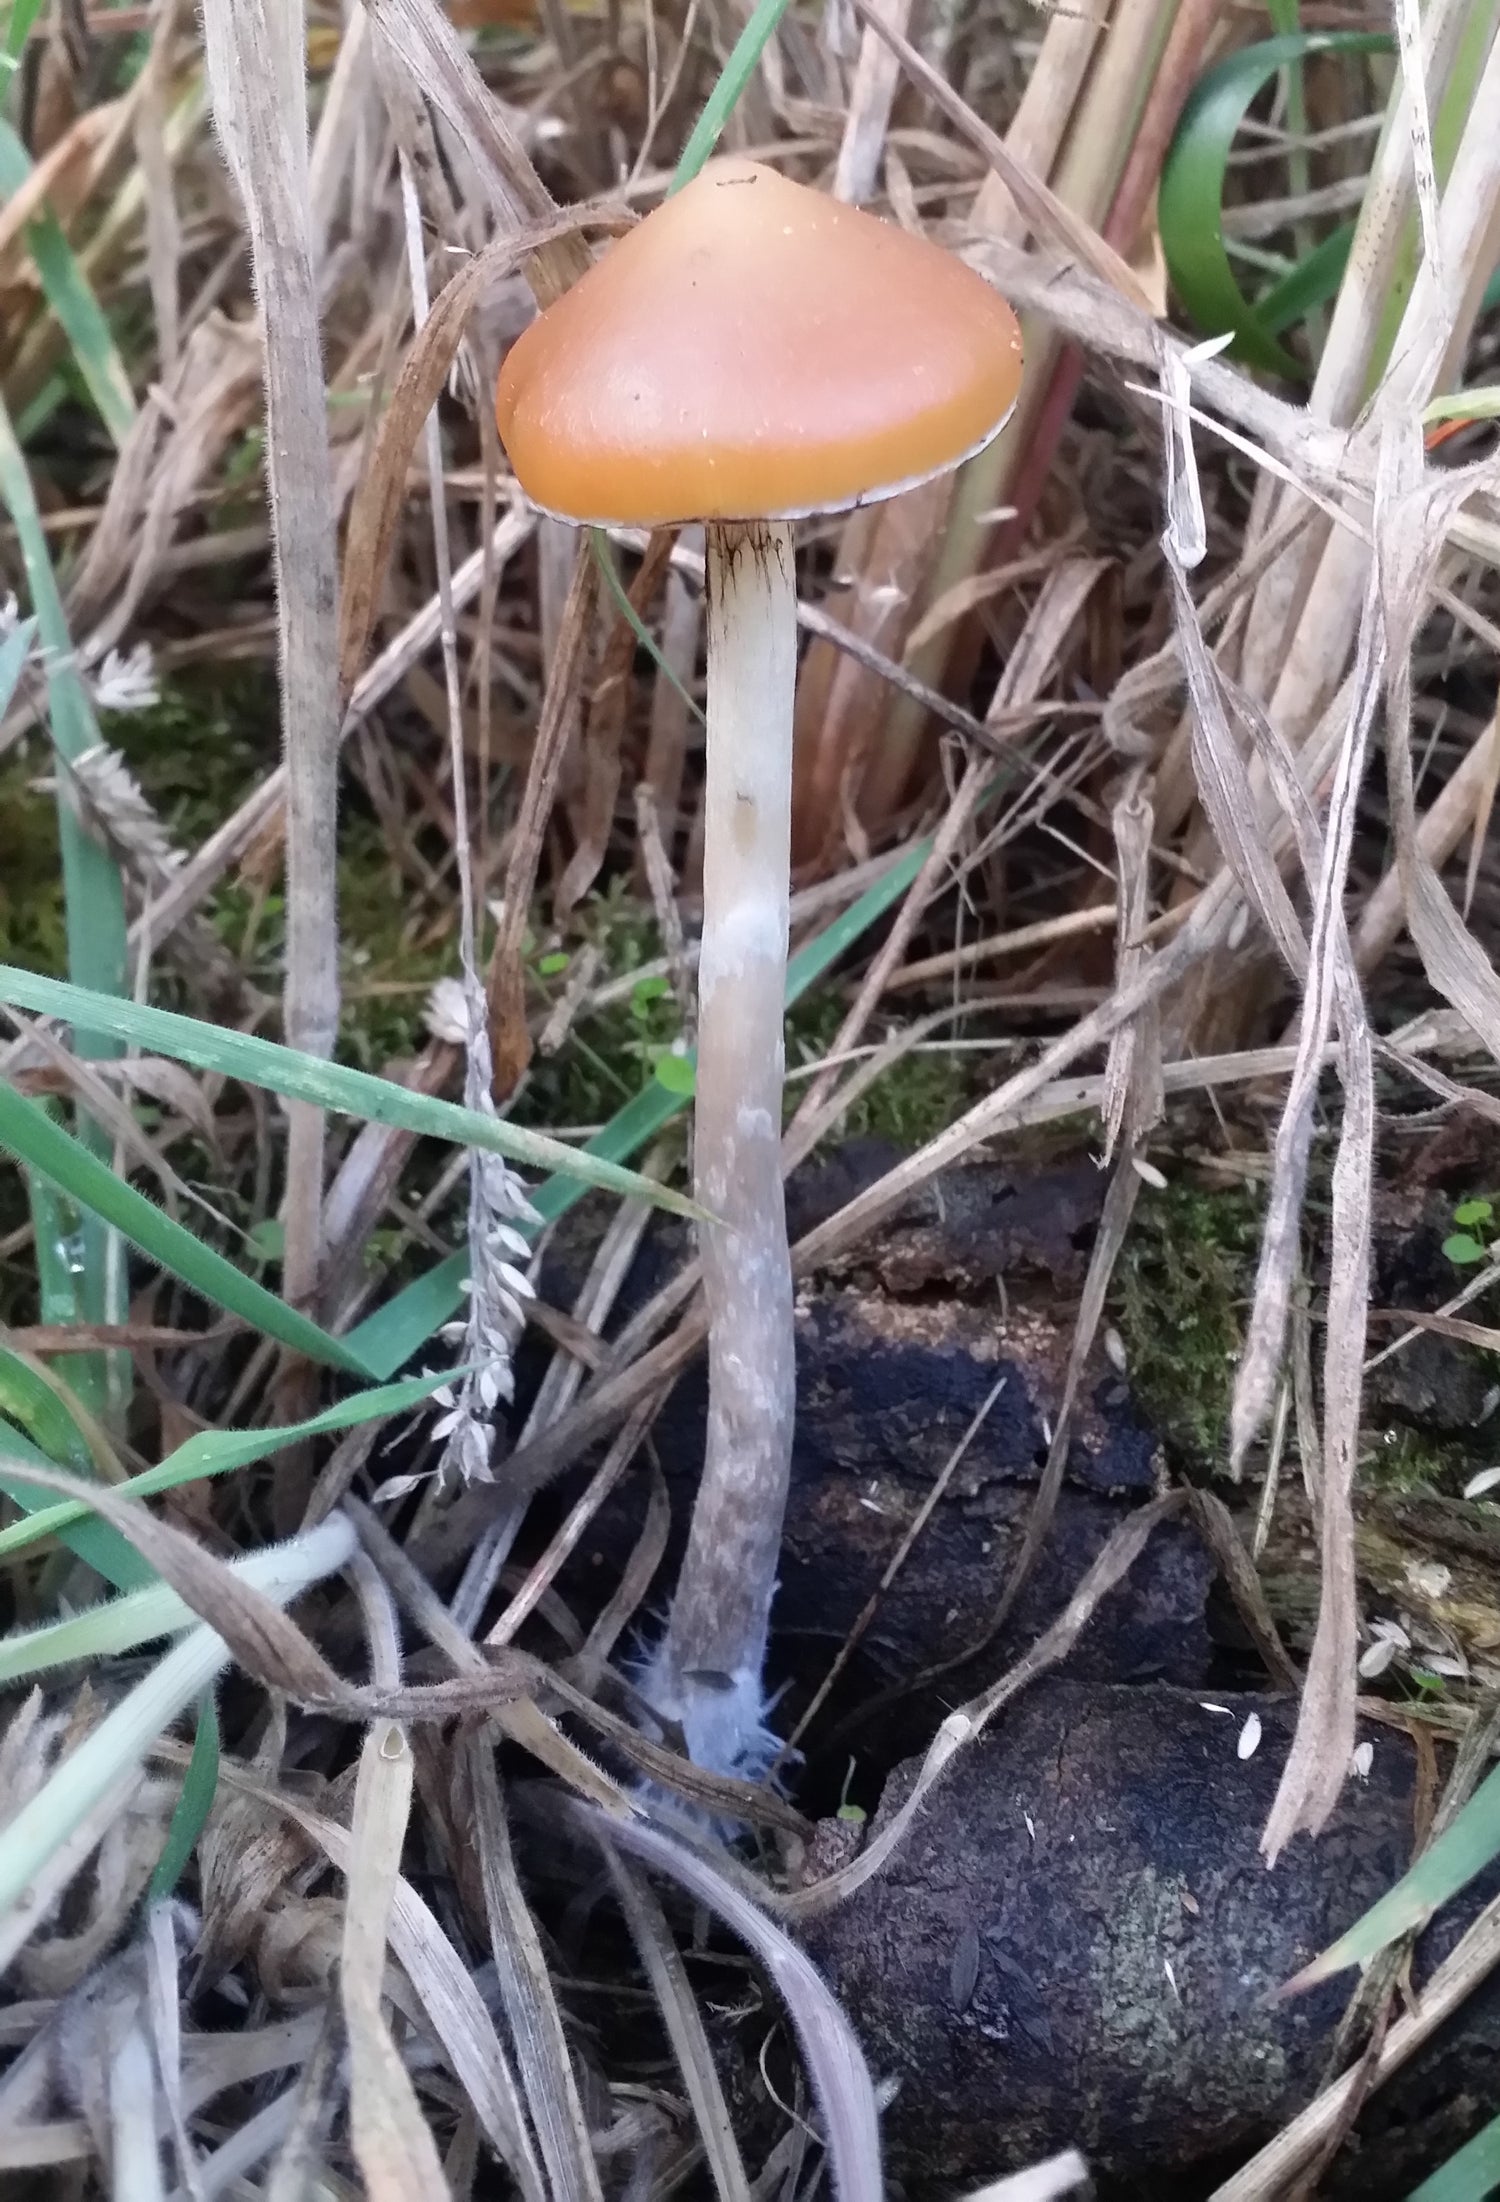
(1182,1286)
(196,754)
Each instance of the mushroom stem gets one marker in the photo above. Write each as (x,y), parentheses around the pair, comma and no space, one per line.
(707,1674)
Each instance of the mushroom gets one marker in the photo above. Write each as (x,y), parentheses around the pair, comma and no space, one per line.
(752,353)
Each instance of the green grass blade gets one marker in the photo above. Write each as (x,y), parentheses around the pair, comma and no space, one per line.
(1469,2176)
(142,1616)
(220,1452)
(83,1780)
(26,1398)
(1310,284)
(609,573)
(23,13)
(29,1133)
(110,1555)
(282,1070)
(1479,404)
(387,1339)
(1448,1865)
(71,298)
(1190,202)
(94,897)
(724,98)
(1447,128)
(194,1803)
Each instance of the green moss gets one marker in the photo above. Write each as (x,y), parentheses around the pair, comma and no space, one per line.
(201,748)
(918,1097)
(1182,1282)
(31,902)
(1403,1460)
(610,1053)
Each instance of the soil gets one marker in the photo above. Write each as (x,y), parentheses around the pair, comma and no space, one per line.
(977,1281)
(1078,1943)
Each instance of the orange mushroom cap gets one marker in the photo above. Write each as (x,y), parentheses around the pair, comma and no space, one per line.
(755,351)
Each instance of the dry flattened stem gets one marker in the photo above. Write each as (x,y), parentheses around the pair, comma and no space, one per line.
(260,107)
(735,360)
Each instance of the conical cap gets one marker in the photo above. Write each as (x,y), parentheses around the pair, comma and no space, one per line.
(755,350)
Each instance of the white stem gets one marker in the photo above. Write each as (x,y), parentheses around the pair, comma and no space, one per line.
(708,1673)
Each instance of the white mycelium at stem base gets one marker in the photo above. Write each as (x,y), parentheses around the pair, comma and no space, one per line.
(707,1673)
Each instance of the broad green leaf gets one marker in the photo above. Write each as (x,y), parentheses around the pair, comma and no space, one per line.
(1191,198)
(219,1452)
(1443,1869)
(677,1074)
(30,1134)
(299,1077)
(1462,1249)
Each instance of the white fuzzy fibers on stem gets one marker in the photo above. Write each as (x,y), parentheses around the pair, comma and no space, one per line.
(707,1673)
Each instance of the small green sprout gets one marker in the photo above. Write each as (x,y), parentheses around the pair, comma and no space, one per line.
(1471,1242)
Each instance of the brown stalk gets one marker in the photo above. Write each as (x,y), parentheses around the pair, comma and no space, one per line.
(260,102)
(1177,71)
(506,986)
(885,548)
(1085,183)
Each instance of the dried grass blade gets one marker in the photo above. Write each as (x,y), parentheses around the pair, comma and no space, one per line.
(259,89)
(1224,784)
(1060,2175)
(163,230)
(41,1830)
(1317,1765)
(264,1640)
(1062,598)
(1419,130)
(381,496)
(427,43)
(684,2023)
(453,2004)
(523,1721)
(506,988)
(392,2143)
(1318,1762)
(526,1987)
(835,2061)
(294,2175)
(1043,209)
(1330,982)
(1408,542)
(1132,1073)
(876,76)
